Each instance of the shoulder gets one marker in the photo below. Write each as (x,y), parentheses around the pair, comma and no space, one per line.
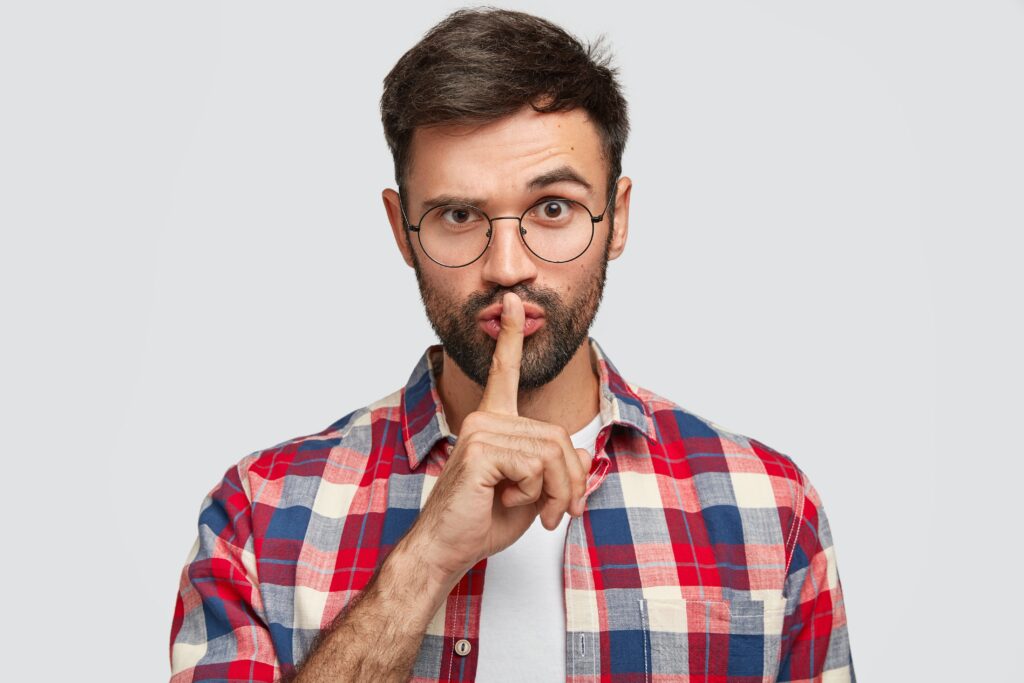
(725,464)
(289,473)
(732,471)
(685,432)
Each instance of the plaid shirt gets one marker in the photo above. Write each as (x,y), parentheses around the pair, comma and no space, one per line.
(703,555)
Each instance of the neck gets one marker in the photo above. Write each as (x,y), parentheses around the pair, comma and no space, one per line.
(570,399)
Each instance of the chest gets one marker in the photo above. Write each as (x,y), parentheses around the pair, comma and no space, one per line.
(662,578)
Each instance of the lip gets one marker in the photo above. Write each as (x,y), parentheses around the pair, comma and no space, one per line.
(493,312)
(492,326)
(490,319)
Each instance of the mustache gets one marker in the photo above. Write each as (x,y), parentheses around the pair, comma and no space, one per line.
(545,298)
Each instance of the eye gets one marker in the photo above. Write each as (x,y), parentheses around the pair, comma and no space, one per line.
(553,209)
(460,215)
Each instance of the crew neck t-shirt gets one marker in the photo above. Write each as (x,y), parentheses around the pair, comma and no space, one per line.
(522,618)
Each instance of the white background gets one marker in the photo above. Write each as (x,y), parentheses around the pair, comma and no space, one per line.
(824,254)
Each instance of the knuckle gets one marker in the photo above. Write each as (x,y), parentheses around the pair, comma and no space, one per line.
(552,451)
(474,449)
(472,422)
(559,433)
(535,466)
(497,363)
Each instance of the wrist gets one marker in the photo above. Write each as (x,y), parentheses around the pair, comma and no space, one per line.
(420,554)
(411,565)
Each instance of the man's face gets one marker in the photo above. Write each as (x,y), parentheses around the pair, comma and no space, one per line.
(495,163)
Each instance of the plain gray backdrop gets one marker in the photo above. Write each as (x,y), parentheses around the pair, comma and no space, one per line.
(824,254)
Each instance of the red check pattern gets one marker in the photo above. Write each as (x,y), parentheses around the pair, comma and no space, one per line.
(703,555)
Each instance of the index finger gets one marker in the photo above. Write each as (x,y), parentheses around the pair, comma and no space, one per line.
(501,395)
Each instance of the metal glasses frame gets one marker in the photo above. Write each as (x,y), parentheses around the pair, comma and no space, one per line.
(594,220)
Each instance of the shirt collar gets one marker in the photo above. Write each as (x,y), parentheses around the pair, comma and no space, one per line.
(424,424)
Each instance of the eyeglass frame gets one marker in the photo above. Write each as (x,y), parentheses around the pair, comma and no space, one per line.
(594,220)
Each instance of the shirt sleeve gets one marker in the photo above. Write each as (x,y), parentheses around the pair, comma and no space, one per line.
(815,643)
(219,631)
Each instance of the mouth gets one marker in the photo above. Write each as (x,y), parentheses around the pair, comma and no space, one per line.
(492,326)
(490,319)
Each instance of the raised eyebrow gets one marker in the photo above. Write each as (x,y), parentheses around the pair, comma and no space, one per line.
(562,174)
(443,199)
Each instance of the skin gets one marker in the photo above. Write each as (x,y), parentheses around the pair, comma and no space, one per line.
(514,459)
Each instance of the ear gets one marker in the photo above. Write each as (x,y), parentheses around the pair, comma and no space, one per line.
(394,210)
(622,191)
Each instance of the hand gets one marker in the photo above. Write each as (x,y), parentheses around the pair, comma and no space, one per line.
(503,472)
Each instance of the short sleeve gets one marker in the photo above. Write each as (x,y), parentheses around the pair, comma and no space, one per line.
(815,643)
(219,631)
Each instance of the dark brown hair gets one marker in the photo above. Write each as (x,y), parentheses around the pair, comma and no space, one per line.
(480,64)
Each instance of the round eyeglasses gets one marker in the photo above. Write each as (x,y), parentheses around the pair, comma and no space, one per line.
(554,229)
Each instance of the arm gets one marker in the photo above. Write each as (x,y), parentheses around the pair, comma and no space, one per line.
(530,465)
(378,635)
(815,640)
(219,630)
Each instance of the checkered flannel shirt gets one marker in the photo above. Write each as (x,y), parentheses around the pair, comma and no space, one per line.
(703,555)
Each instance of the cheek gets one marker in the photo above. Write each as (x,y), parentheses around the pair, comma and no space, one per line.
(581,275)
(444,289)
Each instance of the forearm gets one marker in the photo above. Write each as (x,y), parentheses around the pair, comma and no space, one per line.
(378,635)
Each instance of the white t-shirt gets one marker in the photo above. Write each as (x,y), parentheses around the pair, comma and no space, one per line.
(522,617)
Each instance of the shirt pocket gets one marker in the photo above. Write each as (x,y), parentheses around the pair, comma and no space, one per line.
(711,640)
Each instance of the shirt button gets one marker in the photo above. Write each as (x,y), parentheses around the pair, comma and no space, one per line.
(462,647)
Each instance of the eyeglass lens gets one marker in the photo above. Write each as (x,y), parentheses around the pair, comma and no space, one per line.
(553,229)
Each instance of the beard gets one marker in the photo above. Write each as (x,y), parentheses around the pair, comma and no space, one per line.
(546,352)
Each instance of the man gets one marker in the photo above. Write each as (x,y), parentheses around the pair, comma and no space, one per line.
(517,511)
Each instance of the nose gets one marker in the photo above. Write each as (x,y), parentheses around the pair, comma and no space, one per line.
(507,261)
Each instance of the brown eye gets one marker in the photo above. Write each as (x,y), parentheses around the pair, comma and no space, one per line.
(459,215)
(462,216)
(552,213)
(554,209)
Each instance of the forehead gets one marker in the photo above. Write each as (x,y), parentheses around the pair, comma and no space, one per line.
(499,158)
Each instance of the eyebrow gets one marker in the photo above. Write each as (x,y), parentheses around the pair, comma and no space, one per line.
(562,174)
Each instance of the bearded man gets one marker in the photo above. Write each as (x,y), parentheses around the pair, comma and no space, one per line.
(517,511)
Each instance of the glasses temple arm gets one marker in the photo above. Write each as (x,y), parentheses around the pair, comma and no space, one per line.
(598,219)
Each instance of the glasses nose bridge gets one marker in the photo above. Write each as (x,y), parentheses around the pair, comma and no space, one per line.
(506,218)
(520,232)
(517,219)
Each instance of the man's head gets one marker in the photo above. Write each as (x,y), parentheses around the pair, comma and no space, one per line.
(486,104)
